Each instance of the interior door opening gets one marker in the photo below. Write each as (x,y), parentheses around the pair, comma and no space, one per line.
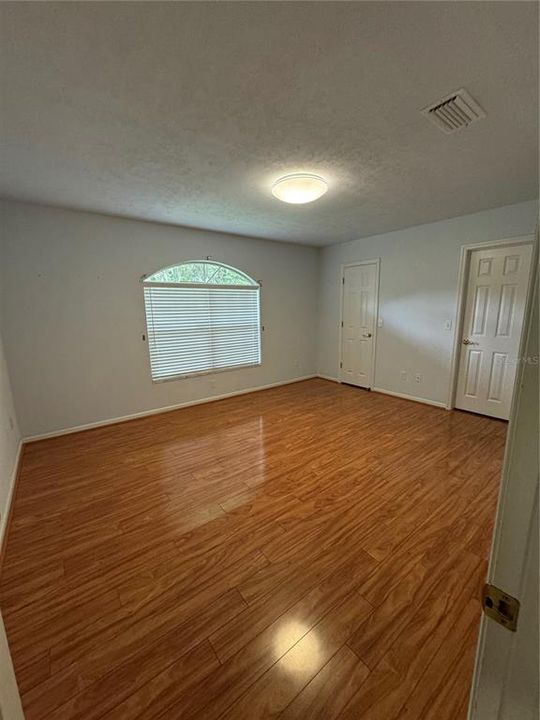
(495,283)
(359,308)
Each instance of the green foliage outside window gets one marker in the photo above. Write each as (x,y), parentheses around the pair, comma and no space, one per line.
(206,273)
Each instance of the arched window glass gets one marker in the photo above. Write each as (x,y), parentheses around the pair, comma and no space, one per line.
(201,317)
(206,273)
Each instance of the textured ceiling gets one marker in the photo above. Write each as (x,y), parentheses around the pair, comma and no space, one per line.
(185,113)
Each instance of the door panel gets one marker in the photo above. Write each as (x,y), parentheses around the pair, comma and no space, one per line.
(480,310)
(474,362)
(511,264)
(497,376)
(495,301)
(358,324)
(506,310)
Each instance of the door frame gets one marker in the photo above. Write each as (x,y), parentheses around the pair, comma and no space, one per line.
(516,499)
(377,263)
(463,276)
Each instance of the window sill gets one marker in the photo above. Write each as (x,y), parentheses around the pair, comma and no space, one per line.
(201,373)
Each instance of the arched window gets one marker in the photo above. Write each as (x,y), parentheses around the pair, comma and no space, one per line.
(201,317)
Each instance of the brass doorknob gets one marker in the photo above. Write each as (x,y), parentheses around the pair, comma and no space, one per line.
(366,335)
(466,341)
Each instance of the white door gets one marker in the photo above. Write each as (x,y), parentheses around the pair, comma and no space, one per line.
(506,682)
(358,323)
(495,302)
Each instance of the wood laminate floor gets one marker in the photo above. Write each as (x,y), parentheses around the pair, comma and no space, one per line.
(310,551)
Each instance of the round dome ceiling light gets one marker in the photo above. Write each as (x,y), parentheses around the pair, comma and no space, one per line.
(299,188)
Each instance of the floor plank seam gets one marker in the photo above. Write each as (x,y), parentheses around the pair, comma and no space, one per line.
(147,525)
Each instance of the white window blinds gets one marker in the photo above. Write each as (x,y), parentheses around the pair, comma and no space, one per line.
(198,327)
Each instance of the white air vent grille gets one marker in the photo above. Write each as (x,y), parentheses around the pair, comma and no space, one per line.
(454,112)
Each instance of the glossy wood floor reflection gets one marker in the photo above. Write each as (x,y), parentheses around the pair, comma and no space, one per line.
(310,551)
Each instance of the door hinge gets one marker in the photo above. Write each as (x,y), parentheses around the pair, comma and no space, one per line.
(499,606)
(343,281)
(342,323)
(340,364)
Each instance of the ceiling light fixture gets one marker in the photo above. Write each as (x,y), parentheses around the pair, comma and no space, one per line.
(299,188)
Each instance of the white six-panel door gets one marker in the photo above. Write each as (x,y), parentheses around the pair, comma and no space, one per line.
(495,302)
(359,318)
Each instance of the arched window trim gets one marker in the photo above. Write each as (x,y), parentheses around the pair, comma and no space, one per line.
(251,284)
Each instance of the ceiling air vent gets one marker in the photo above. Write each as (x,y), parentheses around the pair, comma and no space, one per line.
(454,112)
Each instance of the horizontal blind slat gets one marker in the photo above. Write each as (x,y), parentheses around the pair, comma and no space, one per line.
(197,329)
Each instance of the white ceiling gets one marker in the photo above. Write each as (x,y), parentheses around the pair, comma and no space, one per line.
(185,113)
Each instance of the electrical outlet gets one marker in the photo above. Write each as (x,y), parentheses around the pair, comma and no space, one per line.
(380,322)
(403,375)
(418,378)
(448,325)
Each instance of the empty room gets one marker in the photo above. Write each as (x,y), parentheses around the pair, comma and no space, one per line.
(269,360)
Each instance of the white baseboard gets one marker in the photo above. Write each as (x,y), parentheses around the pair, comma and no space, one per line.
(405,396)
(158,411)
(11,493)
(328,377)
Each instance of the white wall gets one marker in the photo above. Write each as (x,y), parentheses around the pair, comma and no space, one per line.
(418,294)
(73,314)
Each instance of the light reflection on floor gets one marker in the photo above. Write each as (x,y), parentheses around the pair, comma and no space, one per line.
(298,647)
